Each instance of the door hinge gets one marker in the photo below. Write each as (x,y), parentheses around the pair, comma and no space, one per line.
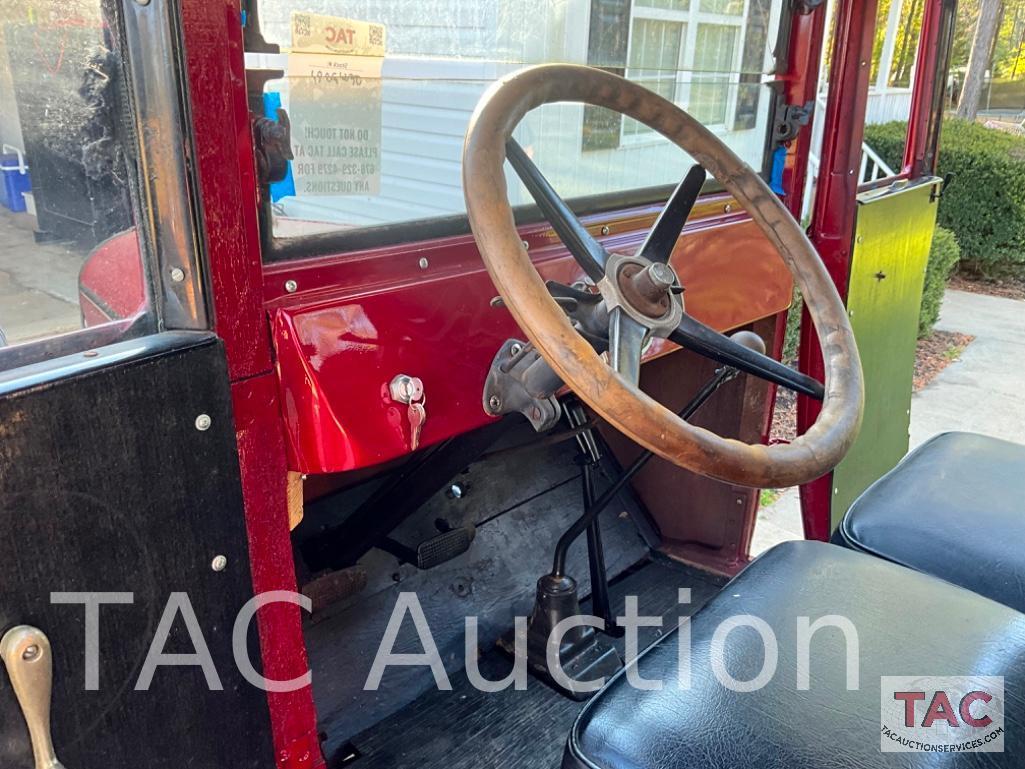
(790,118)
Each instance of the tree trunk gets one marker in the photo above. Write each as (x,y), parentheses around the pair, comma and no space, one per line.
(978,60)
(905,47)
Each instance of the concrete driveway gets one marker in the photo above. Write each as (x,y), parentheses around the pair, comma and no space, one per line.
(983,391)
(38,282)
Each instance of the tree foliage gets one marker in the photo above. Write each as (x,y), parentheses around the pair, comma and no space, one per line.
(906,43)
(1008,62)
(985,204)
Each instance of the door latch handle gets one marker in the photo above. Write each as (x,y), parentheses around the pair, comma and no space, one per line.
(26,653)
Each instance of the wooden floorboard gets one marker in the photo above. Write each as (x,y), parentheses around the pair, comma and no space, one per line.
(468,729)
(539,497)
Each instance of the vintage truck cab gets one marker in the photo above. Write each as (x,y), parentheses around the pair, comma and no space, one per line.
(423,376)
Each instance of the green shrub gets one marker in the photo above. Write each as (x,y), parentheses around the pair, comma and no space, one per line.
(943,257)
(985,204)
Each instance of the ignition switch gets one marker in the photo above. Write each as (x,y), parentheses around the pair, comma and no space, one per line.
(409,390)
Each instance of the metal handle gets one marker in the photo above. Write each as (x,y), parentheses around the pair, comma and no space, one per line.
(11,149)
(26,652)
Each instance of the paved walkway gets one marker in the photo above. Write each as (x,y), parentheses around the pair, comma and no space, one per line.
(38,282)
(983,391)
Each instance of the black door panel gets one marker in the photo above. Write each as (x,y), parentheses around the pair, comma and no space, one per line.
(108,485)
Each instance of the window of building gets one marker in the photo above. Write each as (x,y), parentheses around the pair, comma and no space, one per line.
(654,62)
(699,73)
(716,51)
(433,61)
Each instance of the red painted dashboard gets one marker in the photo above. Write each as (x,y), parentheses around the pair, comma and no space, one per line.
(352,322)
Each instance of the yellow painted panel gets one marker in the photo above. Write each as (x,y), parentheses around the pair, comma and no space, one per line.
(891,250)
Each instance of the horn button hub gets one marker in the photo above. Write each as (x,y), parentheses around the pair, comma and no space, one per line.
(647,287)
(649,292)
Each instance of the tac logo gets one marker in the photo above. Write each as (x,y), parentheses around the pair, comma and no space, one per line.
(339,35)
(942,714)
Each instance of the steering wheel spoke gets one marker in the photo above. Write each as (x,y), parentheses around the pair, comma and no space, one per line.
(626,340)
(588,252)
(659,244)
(706,341)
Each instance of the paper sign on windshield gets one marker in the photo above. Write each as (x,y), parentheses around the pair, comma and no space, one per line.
(312,33)
(334,72)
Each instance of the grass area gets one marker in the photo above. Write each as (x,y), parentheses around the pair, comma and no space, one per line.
(767,496)
(793,333)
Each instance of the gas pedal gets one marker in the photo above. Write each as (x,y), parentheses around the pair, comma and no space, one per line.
(444,547)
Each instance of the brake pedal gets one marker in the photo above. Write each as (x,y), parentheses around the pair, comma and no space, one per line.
(444,547)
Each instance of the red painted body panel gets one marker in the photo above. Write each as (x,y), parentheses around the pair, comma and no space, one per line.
(832,229)
(226,168)
(926,95)
(111,285)
(282,649)
(834,218)
(800,83)
(225,165)
(370,316)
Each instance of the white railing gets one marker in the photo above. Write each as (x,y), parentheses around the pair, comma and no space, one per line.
(872,166)
(893,105)
(888,104)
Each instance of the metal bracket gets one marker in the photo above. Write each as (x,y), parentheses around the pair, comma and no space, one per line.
(520,380)
(254,41)
(939,189)
(790,118)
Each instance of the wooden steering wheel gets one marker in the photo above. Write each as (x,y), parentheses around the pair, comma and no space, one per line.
(641,293)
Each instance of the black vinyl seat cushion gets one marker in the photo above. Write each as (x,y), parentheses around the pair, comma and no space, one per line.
(908,624)
(954,508)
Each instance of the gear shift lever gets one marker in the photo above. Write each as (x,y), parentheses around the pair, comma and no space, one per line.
(582,654)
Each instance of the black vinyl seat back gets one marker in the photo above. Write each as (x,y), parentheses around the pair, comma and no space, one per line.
(953,508)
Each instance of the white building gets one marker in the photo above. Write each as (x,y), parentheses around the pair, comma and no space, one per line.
(709,56)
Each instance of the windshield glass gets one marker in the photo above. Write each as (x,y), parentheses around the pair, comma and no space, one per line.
(379,94)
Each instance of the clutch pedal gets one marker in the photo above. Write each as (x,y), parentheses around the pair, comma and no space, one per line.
(334,586)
